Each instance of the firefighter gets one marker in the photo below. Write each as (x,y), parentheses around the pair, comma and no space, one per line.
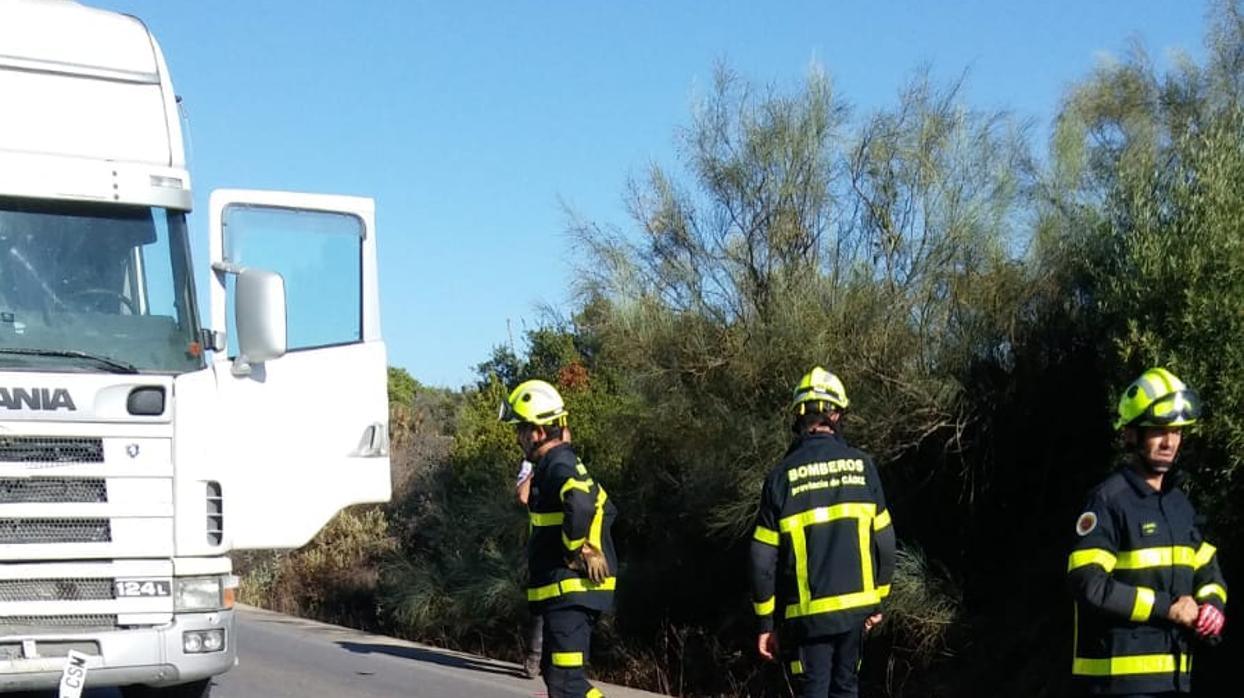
(1147,585)
(570,555)
(822,555)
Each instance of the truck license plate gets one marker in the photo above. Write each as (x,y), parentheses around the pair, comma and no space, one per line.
(73,677)
(130,588)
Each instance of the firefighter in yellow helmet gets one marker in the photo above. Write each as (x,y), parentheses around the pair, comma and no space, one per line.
(823,551)
(570,556)
(1147,585)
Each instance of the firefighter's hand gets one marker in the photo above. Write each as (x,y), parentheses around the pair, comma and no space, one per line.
(767,645)
(593,563)
(1209,621)
(1184,612)
(873,621)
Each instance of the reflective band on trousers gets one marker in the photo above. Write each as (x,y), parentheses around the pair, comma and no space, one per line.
(1211,590)
(1128,666)
(1143,605)
(547,519)
(569,586)
(567,659)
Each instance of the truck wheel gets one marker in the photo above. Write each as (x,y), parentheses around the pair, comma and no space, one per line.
(195,689)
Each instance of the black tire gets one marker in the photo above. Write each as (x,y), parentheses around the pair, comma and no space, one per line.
(195,689)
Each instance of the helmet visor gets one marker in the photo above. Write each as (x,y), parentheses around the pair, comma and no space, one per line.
(1177,408)
(506,413)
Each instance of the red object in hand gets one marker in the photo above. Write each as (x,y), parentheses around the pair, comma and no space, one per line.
(1209,621)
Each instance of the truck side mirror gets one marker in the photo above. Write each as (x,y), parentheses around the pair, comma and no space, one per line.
(259,305)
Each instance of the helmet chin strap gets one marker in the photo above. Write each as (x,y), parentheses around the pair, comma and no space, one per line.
(1155,469)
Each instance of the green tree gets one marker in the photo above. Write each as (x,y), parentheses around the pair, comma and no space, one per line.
(884,251)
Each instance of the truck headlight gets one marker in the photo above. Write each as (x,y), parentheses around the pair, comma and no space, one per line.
(198,594)
(202,641)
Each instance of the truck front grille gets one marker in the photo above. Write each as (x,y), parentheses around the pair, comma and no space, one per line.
(20,624)
(51,449)
(23,531)
(56,589)
(52,490)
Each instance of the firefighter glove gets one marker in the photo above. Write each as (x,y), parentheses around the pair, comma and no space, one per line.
(1209,621)
(591,561)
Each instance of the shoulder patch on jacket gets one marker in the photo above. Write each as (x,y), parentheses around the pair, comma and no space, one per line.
(1086,523)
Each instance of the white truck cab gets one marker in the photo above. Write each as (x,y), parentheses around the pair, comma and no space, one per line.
(142,440)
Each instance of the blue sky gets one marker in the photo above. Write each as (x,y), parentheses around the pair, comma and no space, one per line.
(470,123)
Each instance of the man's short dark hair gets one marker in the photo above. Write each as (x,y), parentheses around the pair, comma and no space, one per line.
(804,422)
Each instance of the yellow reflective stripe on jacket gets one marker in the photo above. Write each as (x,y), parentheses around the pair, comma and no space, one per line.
(584,486)
(866,555)
(1146,558)
(569,586)
(796,667)
(1211,590)
(847,510)
(883,591)
(567,659)
(1127,666)
(799,548)
(593,692)
(828,604)
(864,514)
(1091,556)
(598,520)
(768,536)
(572,545)
(764,608)
(1204,555)
(546,519)
(1143,606)
(882,520)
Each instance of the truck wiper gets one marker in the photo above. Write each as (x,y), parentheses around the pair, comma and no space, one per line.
(116,365)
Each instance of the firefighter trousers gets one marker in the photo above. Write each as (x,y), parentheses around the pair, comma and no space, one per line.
(825,666)
(567,646)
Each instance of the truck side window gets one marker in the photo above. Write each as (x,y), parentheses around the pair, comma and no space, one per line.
(319,254)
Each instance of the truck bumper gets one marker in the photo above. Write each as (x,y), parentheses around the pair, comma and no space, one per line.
(152,656)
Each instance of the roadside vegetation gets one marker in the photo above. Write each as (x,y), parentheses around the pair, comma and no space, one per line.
(983,297)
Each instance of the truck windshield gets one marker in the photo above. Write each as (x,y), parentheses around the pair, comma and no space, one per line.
(95,287)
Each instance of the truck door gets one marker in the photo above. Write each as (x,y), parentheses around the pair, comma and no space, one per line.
(305,434)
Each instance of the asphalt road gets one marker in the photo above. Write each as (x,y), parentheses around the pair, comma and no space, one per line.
(284,657)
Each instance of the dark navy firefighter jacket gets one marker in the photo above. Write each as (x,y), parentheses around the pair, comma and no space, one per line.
(567,508)
(1136,551)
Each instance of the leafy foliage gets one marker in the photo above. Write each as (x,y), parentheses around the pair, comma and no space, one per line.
(982,306)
